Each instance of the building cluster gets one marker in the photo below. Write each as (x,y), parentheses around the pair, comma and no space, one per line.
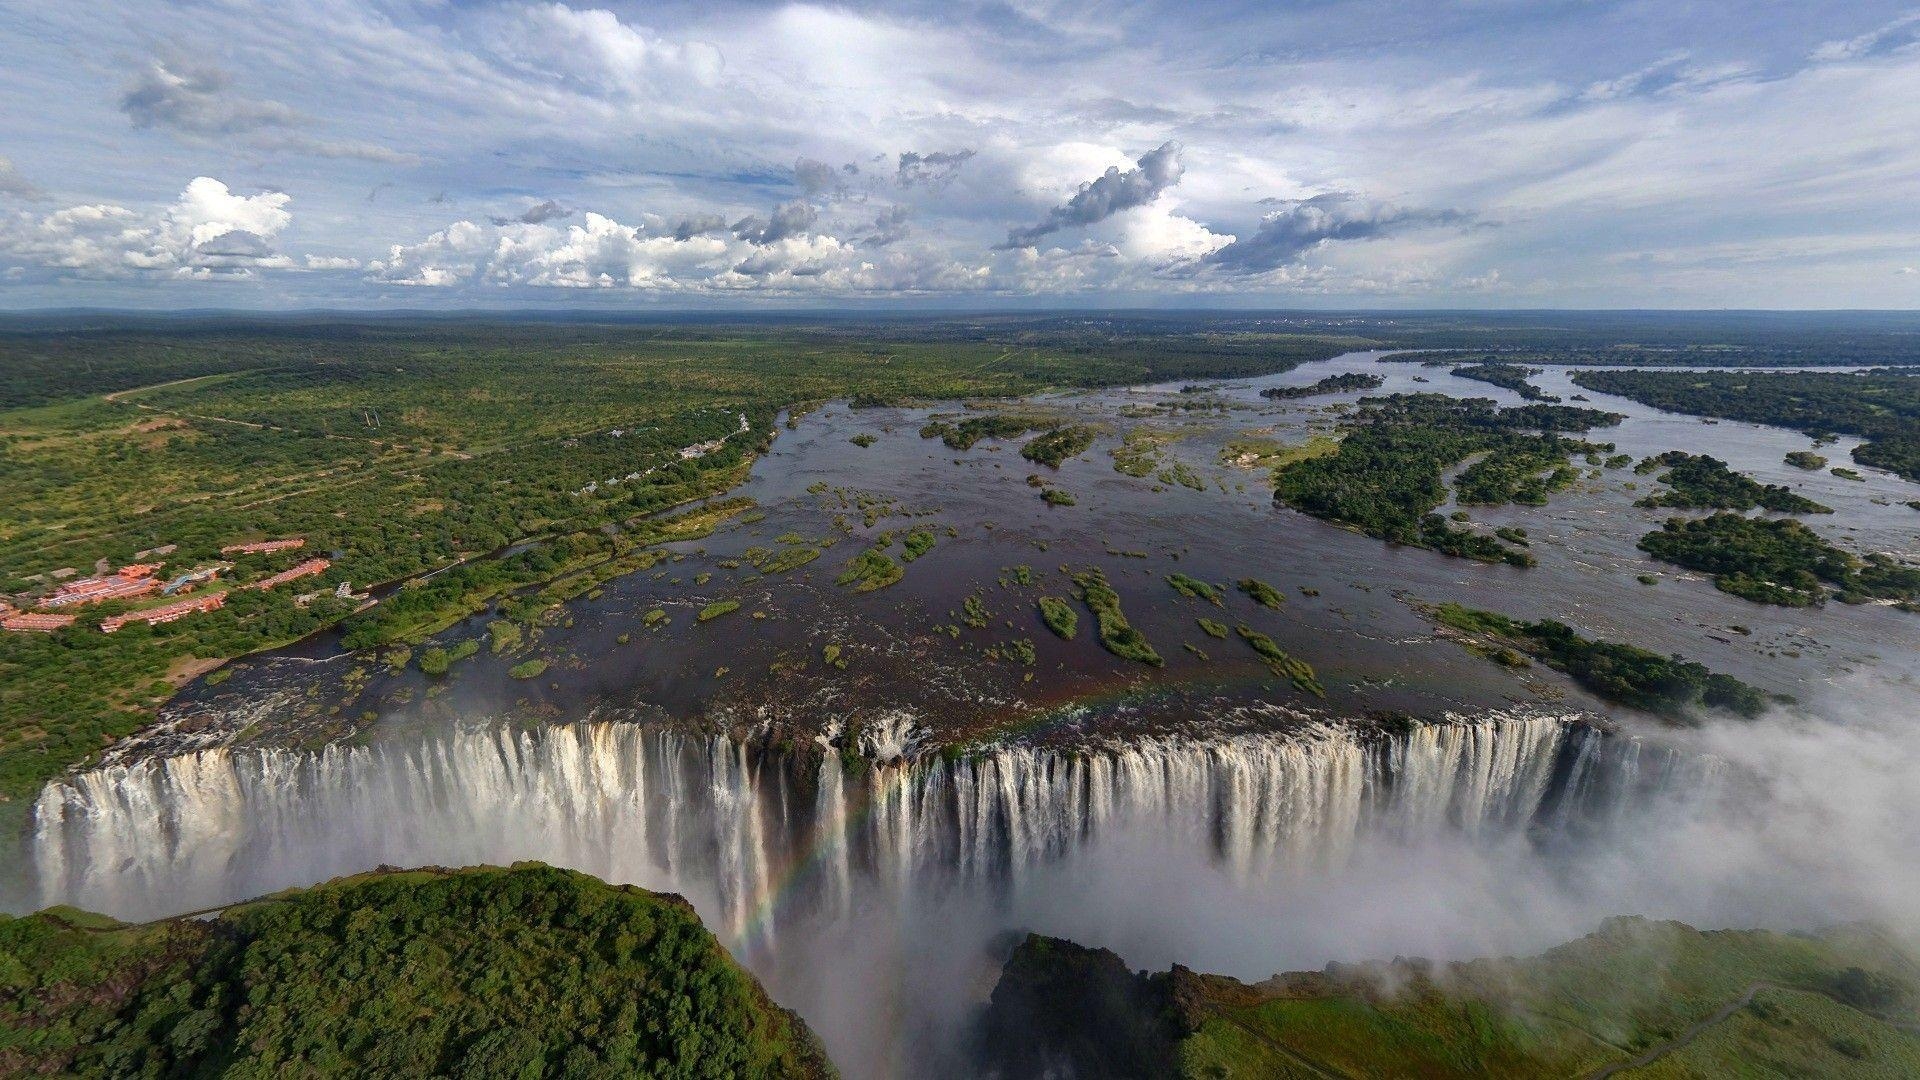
(140,579)
(128,582)
(165,613)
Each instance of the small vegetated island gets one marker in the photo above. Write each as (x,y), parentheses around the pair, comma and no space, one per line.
(1627,674)
(1839,1003)
(1386,477)
(1881,407)
(1780,561)
(487,972)
(1700,482)
(1343,383)
(1507,376)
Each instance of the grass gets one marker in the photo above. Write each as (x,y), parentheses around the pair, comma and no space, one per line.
(718,608)
(1059,617)
(1194,588)
(1262,593)
(1282,663)
(870,570)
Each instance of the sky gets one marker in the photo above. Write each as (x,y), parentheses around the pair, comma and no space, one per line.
(667,156)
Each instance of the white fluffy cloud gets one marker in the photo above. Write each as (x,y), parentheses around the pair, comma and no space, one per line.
(209,231)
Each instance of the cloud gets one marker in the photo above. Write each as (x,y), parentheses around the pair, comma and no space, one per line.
(788,219)
(1881,39)
(1910,270)
(200,102)
(12,183)
(816,177)
(1298,226)
(595,50)
(179,95)
(208,232)
(1113,191)
(536,214)
(693,225)
(326,262)
(934,170)
(890,227)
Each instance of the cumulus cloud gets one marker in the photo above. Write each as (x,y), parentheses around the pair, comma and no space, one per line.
(693,225)
(787,219)
(208,232)
(934,170)
(1297,226)
(1113,191)
(12,183)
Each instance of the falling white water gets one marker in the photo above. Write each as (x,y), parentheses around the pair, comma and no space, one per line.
(740,832)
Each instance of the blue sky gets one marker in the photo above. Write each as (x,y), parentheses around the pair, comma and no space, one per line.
(439,153)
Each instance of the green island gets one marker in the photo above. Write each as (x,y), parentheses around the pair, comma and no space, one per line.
(1387,476)
(485,972)
(1637,998)
(1806,459)
(1779,561)
(1059,444)
(1190,586)
(1881,407)
(1262,593)
(1699,482)
(1345,382)
(1059,617)
(870,570)
(1119,636)
(1280,662)
(1507,376)
(1667,685)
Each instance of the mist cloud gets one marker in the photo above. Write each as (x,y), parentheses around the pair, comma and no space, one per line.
(932,170)
(787,219)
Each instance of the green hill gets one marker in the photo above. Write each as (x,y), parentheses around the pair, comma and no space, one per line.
(1637,999)
(528,972)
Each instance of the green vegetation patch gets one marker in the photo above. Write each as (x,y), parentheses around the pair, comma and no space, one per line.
(1212,628)
(917,543)
(528,669)
(1779,561)
(1706,483)
(1628,674)
(475,973)
(1059,617)
(1508,376)
(1386,478)
(1343,383)
(1193,587)
(718,608)
(1059,444)
(1282,663)
(870,570)
(1262,593)
(1806,459)
(1118,635)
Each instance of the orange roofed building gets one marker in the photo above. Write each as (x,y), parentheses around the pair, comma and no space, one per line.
(34,622)
(305,569)
(131,581)
(165,613)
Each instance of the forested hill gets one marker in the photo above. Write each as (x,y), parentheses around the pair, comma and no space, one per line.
(1637,999)
(526,972)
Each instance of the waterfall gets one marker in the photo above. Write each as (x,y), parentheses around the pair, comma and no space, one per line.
(745,831)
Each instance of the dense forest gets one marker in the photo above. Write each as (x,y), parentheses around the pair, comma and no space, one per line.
(1386,477)
(528,972)
(1668,685)
(1700,482)
(522,461)
(1881,407)
(1507,376)
(1779,561)
(1345,382)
